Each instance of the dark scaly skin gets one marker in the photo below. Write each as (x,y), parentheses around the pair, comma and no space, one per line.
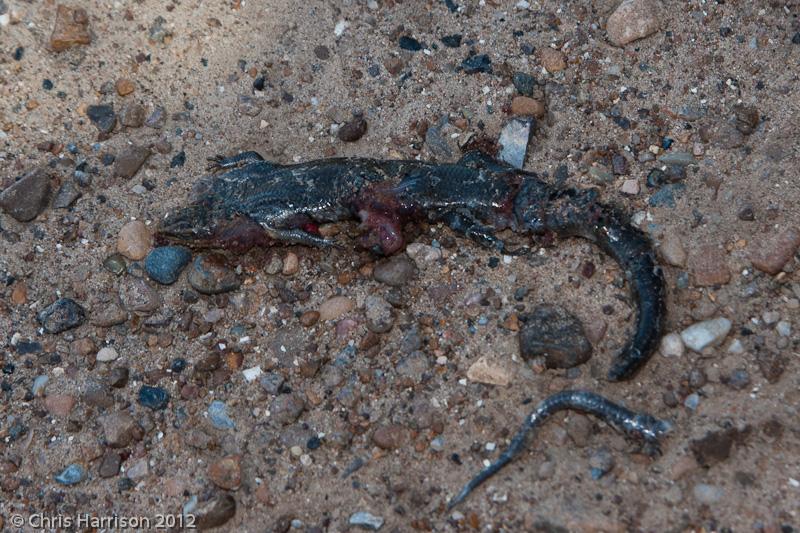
(257,203)
(638,425)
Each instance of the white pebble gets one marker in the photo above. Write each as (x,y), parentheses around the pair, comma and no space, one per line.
(706,333)
(107,354)
(770,317)
(251,373)
(672,345)
(784,328)
(736,347)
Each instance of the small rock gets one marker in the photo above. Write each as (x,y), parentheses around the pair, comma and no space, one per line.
(309,318)
(601,462)
(632,20)
(677,158)
(291,264)
(747,118)
(771,364)
(394,65)
(249,105)
(715,446)
(218,414)
(407,42)
(524,83)
(707,494)
(353,130)
(59,404)
(424,255)
(134,240)
(366,520)
(552,60)
(61,315)
(215,512)
(164,264)
(514,139)
(71,28)
(136,296)
(491,371)
(124,86)
(109,466)
(395,271)
(67,194)
(103,117)
(390,437)
(525,106)
(708,333)
(106,355)
(671,345)
(286,408)
(708,265)
(322,52)
(672,251)
(784,328)
(28,197)
(557,335)
(772,254)
(133,115)
(477,63)
(71,475)
(580,429)
(130,160)
(155,398)
(380,317)
(226,473)
(210,275)
(118,377)
(108,315)
(630,187)
(157,118)
(138,470)
(39,385)
(335,307)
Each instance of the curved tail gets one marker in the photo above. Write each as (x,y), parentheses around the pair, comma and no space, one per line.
(572,212)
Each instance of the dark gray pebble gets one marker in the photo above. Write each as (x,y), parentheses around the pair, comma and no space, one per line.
(28,197)
(103,117)
(556,334)
(210,275)
(61,315)
(477,63)
(164,264)
(71,475)
(154,398)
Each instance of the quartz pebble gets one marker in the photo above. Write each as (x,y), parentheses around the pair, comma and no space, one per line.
(707,494)
(134,240)
(514,139)
(633,20)
(672,345)
(630,187)
(107,354)
(424,255)
(379,314)
(707,333)
(489,370)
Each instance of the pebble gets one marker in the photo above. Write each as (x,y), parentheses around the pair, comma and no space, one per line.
(738,379)
(514,139)
(115,264)
(335,307)
(61,315)
(633,20)
(109,466)
(118,377)
(665,197)
(452,41)
(390,437)
(138,470)
(672,345)
(784,328)
(157,118)
(770,255)
(715,446)
(26,198)
(215,512)
(524,83)
(707,333)
(108,314)
(107,354)
(286,408)
(309,318)
(59,404)
(424,255)
(67,194)
(271,382)
(291,264)
(218,414)
(39,385)
(136,296)
(677,158)
(130,160)
(552,60)
(133,115)
(155,398)
(708,265)
(395,271)
(630,187)
(209,275)
(134,240)
(556,334)
(491,371)
(477,63)
(671,250)
(366,520)
(124,86)
(353,130)
(601,462)
(71,475)
(692,401)
(438,141)
(407,42)
(249,105)
(770,317)
(380,317)
(165,264)
(226,473)
(707,494)
(524,106)
(103,117)
(71,28)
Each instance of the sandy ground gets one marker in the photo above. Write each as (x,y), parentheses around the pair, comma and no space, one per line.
(706,55)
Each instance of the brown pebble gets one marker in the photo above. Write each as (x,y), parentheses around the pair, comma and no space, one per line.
(134,240)
(71,28)
(226,473)
(59,404)
(19,294)
(309,318)
(552,59)
(527,107)
(390,437)
(335,307)
(82,347)
(708,265)
(130,160)
(771,255)
(124,86)
(353,130)
(394,65)
(291,263)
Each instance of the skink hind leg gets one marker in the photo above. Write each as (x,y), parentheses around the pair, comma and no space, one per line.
(298,236)
(220,162)
(467,225)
